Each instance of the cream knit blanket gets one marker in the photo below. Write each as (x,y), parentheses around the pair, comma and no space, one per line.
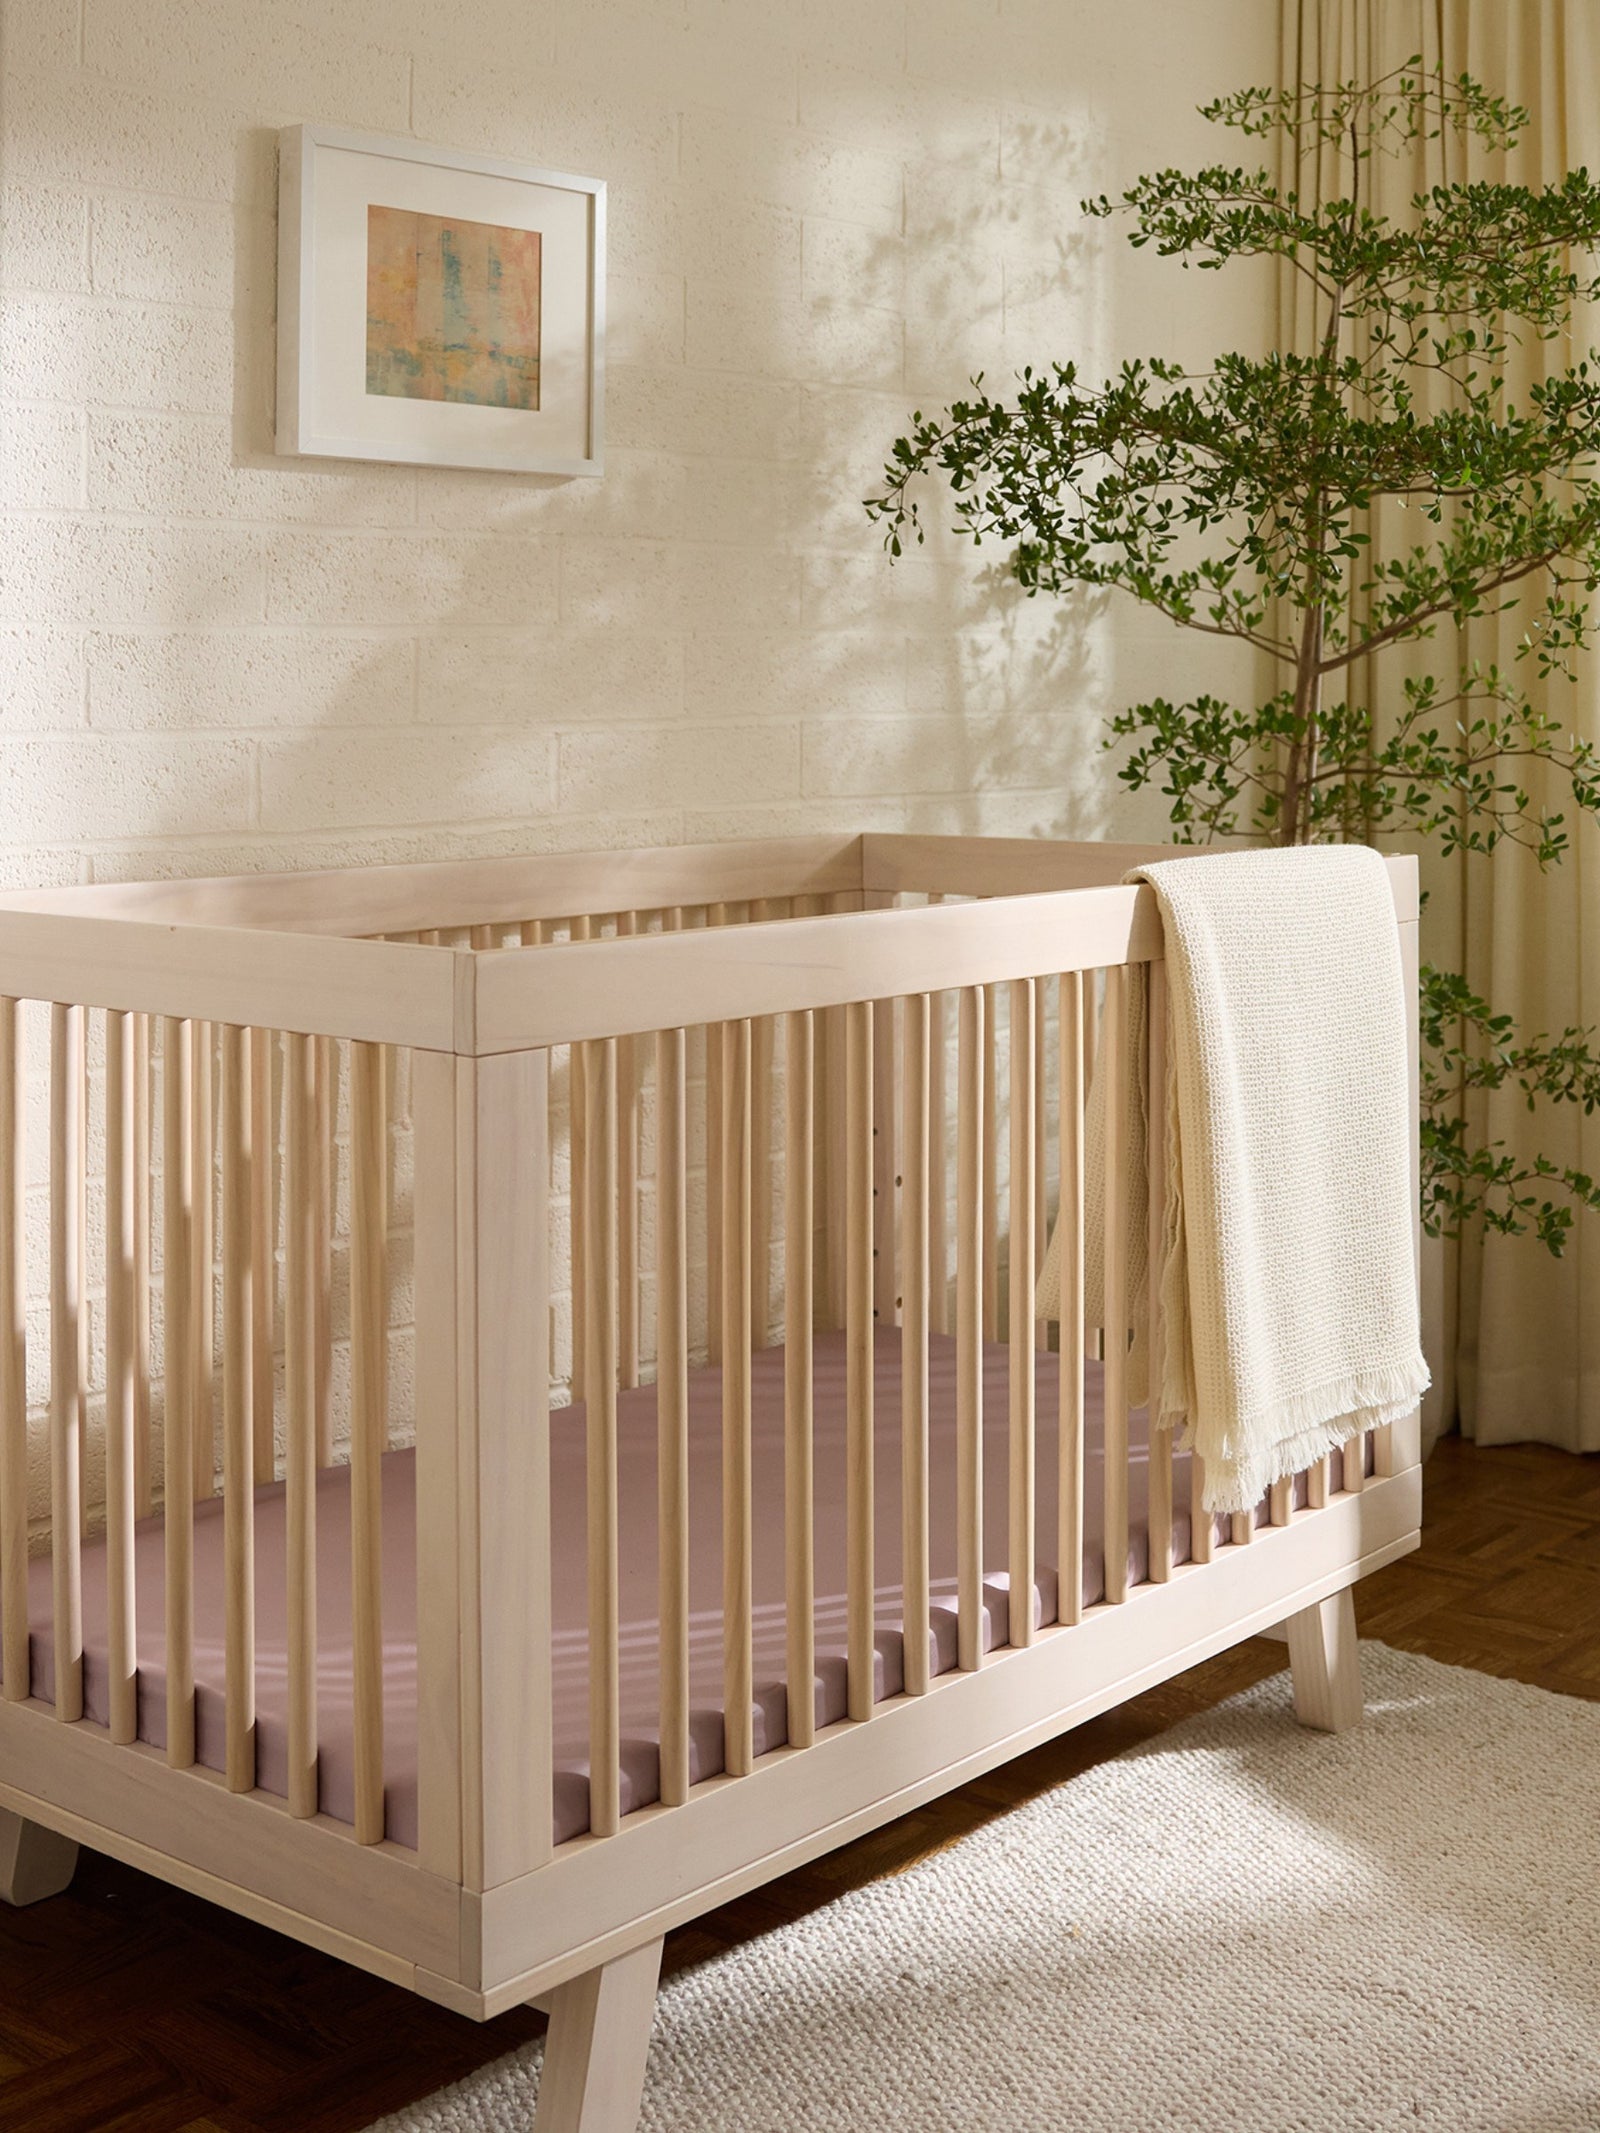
(1288,1291)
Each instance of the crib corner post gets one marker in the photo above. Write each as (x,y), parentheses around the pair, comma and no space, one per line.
(483,1464)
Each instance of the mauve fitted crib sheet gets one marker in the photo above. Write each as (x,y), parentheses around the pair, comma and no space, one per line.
(636,1431)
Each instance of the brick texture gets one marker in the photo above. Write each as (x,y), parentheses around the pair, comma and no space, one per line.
(821,214)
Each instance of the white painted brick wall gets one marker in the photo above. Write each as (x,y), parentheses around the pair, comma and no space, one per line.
(821,213)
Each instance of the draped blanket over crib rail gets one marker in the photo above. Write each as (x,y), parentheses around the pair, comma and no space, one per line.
(1286,1320)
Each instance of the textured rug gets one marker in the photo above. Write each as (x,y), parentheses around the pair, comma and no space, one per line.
(1238,1926)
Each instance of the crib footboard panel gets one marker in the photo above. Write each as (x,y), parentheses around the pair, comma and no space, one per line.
(309,1878)
(668,1865)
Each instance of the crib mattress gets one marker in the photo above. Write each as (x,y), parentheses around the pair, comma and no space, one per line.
(636,1429)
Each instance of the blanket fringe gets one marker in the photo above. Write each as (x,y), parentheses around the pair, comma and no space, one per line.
(1305,1427)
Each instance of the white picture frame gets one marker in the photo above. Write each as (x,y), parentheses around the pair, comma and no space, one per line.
(341,196)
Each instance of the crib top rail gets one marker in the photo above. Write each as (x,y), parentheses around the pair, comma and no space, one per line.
(295,952)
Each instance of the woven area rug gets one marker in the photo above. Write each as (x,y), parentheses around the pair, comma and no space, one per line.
(1239,1926)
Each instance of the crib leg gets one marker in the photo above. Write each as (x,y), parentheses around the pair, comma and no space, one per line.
(34,1861)
(593,2078)
(1325,1663)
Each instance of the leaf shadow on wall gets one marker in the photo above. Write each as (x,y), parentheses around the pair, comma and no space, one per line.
(1004,694)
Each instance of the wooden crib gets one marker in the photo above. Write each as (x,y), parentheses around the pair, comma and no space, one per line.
(521,1415)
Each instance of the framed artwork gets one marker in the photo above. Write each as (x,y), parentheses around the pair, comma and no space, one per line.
(440,309)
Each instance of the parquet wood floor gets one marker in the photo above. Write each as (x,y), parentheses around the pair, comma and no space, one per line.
(128,2007)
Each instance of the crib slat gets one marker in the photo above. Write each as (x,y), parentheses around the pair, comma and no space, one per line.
(716,915)
(238,1373)
(672,1410)
(1318,1478)
(68,1134)
(599,1069)
(627,1191)
(177,1245)
(13,1360)
(143,1486)
(1041,1141)
(1355,1463)
(938,1176)
(1160,1440)
(859,1358)
(1069,1218)
(578,1144)
(762,1050)
(914,1344)
(120,1611)
(970,1113)
(798,1390)
(1113,1044)
(1242,1528)
(885,1158)
(203,1260)
(263,1265)
(1202,1532)
(738,1665)
(301,1267)
(1019,1316)
(991,1163)
(369,1419)
(1280,1502)
(326,1053)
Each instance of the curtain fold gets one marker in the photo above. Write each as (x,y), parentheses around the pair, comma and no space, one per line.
(1514,1351)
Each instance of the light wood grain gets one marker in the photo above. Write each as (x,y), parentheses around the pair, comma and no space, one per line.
(143,1194)
(327,1057)
(627,1191)
(763,1052)
(728,972)
(970,1112)
(13,1359)
(203,1257)
(1069,1219)
(1112,1063)
(799,1543)
(263,1255)
(1021,1276)
(992,1317)
(738,1569)
(1325,1663)
(938,1166)
(177,1461)
(68,1190)
(300,1455)
(914,1226)
(1159,1521)
(593,2076)
(238,1373)
(369,1421)
(452,894)
(672,1408)
(600,1409)
(861,1657)
(578,1144)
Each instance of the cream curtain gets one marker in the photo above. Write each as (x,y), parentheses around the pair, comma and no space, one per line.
(1515,1334)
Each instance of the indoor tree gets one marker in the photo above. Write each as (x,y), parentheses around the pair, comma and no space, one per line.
(1351,512)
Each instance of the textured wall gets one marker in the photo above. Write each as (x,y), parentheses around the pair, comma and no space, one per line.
(822,213)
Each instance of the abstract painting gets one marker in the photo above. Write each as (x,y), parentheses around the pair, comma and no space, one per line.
(452,309)
(438,308)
